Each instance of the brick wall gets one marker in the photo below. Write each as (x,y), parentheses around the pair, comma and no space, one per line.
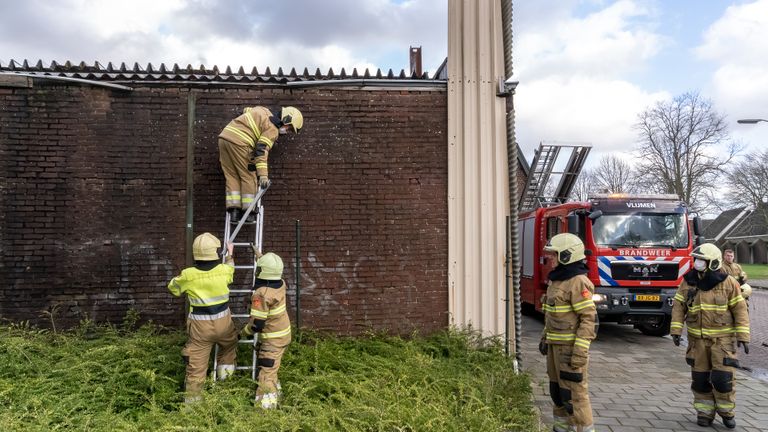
(93,202)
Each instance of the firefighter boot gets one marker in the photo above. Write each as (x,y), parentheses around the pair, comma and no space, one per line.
(235,214)
(703,421)
(729,422)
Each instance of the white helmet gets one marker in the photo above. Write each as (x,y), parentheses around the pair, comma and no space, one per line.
(746,291)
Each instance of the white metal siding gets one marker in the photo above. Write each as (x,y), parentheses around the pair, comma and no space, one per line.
(478,201)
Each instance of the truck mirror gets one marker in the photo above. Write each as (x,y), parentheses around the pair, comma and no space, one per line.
(697,226)
(698,240)
(595,214)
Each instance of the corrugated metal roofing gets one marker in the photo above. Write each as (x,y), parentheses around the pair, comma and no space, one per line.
(478,196)
(110,72)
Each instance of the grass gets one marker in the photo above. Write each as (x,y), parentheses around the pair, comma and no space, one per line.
(110,379)
(756,271)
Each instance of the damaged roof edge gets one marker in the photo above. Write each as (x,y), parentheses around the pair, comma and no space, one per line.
(161,74)
(68,79)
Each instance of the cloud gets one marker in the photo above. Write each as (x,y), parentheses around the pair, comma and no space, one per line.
(301,33)
(737,43)
(572,72)
(580,109)
(608,42)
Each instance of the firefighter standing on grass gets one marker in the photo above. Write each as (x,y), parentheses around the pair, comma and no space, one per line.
(244,147)
(209,321)
(710,303)
(570,317)
(269,319)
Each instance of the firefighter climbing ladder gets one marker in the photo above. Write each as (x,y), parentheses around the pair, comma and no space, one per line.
(542,167)
(230,236)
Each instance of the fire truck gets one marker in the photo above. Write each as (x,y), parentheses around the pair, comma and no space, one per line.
(637,246)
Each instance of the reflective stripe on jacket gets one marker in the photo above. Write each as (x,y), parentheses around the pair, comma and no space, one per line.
(203,288)
(570,313)
(719,312)
(269,305)
(254,129)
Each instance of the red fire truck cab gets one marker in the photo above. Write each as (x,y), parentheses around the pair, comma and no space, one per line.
(638,249)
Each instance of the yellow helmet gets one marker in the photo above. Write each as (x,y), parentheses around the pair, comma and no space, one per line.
(710,253)
(204,247)
(270,267)
(746,291)
(568,247)
(292,116)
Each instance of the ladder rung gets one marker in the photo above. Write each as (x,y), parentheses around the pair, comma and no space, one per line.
(241,244)
(246,341)
(241,315)
(250,368)
(244,267)
(240,291)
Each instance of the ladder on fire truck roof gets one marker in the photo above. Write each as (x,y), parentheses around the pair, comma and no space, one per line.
(542,168)
(230,236)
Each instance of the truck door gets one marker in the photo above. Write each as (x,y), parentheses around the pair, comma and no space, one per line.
(553,227)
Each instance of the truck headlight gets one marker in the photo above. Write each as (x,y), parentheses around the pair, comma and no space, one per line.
(599,298)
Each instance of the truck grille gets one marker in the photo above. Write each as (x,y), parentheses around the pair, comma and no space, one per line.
(644,270)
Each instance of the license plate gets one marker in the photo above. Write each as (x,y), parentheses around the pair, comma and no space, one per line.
(647,297)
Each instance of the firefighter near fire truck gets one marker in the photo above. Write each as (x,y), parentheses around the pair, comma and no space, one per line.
(709,303)
(569,328)
(637,250)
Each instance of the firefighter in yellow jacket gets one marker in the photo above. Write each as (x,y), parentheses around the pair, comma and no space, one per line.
(209,321)
(732,268)
(269,319)
(710,303)
(570,317)
(244,147)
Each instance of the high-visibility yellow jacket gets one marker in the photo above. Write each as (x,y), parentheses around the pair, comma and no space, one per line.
(717,312)
(570,314)
(203,288)
(268,313)
(254,129)
(736,271)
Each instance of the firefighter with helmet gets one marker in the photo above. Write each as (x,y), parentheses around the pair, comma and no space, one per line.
(569,327)
(209,320)
(269,318)
(735,270)
(244,146)
(710,303)
(732,268)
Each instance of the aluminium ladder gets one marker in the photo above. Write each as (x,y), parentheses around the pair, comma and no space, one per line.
(230,236)
(535,193)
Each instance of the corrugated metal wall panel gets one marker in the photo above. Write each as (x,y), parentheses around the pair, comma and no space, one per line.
(477,173)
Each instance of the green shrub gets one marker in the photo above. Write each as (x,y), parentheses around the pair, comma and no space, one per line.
(105,378)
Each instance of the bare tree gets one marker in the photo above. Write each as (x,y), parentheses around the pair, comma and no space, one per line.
(584,186)
(748,183)
(613,175)
(683,148)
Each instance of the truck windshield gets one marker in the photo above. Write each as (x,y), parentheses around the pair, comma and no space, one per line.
(641,229)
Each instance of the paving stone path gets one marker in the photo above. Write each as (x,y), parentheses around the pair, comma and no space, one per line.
(641,383)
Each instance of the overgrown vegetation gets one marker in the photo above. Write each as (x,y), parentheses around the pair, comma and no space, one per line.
(106,378)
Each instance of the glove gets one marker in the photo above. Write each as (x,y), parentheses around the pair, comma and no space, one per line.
(543,348)
(264,182)
(246,332)
(251,167)
(578,361)
(676,340)
(744,345)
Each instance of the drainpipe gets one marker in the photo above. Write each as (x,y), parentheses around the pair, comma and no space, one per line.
(508,90)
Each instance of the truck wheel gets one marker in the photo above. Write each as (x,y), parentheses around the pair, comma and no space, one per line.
(661,329)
